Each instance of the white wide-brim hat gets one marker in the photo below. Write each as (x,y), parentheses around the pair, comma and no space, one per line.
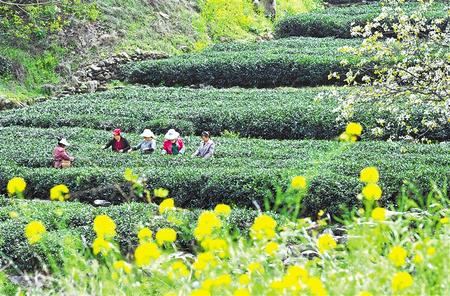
(148,134)
(64,142)
(172,135)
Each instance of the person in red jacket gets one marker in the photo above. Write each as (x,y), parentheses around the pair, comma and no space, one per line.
(118,143)
(173,144)
(61,159)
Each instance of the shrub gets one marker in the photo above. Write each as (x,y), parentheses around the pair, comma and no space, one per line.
(269,114)
(338,21)
(274,64)
(243,172)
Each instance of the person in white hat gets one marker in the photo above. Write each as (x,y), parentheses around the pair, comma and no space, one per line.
(173,144)
(148,145)
(61,159)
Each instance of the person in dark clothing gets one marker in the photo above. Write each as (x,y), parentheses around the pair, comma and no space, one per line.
(118,143)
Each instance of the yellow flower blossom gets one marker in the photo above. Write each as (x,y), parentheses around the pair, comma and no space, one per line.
(398,255)
(204,261)
(166,235)
(298,272)
(365,293)
(34,231)
(222,209)
(353,129)
(16,185)
(418,259)
(443,220)
(218,246)
(166,205)
(298,182)
(145,253)
(401,280)
(431,251)
(100,245)
(104,226)
(241,292)
(223,280)
(316,286)
(379,214)
(207,223)
(271,248)
(256,267)
(200,292)
(326,242)
(122,265)
(263,227)
(372,192)
(369,175)
(244,279)
(161,192)
(59,192)
(145,235)
(178,270)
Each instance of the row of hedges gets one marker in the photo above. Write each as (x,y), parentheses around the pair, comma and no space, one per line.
(272,66)
(75,220)
(244,171)
(269,114)
(338,21)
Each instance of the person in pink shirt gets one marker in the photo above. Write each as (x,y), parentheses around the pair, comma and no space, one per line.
(173,144)
(61,159)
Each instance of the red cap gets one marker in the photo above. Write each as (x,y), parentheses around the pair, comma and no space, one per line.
(116,132)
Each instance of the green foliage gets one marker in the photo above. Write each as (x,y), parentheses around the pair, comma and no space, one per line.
(269,114)
(33,20)
(338,21)
(293,62)
(7,288)
(244,171)
(62,219)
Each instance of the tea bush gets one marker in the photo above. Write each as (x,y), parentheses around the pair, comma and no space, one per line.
(243,172)
(268,114)
(338,21)
(287,63)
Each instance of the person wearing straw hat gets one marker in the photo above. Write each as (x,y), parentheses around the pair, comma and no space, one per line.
(118,143)
(61,159)
(207,146)
(173,144)
(148,145)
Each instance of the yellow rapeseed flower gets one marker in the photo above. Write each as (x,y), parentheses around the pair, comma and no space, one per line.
(353,129)
(263,227)
(365,293)
(316,286)
(165,235)
(369,175)
(298,182)
(372,192)
(204,261)
(298,272)
(401,280)
(218,246)
(59,192)
(145,235)
(100,245)
(34,231)
(418,258)
(145,253)
(16,185)
(379,214)
(222,280)
(443,220)
(326,242)
(200,292)
(431,251)
(166,205)
(222,209)
(161,192)
(178,270)
(244,279)
(256,267)
(122,265)
(271,248)
(207,223)
(398,255)
(104,226)
(241,292)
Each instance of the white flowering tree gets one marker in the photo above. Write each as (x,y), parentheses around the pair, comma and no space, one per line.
(403,71)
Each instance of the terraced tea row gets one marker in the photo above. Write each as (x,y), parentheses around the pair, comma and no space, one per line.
(294,62)
(244,170)
(269,114)
(338,21)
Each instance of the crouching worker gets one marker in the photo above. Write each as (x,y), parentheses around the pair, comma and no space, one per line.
(173,144)
(118,143)
(61,159)
(149,143)
(207,146)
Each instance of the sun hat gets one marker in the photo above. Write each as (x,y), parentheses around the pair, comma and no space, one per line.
(64,142)
(172,135)
(117,132)
(148,134)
